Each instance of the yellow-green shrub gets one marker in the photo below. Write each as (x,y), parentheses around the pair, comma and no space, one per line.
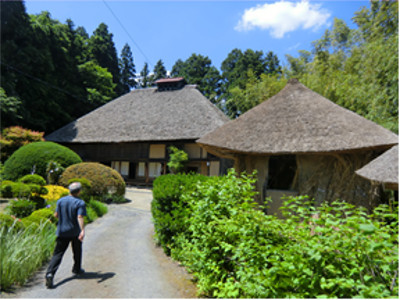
(102,178)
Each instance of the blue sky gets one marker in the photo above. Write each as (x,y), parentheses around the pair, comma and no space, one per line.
(172,30)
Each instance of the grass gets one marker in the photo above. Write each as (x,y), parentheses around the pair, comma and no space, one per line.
(23,252)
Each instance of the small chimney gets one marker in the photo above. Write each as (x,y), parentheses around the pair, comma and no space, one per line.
(170,84)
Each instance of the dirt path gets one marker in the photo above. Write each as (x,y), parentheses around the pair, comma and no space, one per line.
(120,259)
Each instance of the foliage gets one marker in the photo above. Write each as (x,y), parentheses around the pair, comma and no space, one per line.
(21,208)
(197,69)
(177,159)
(357,68)
(255,92)
(53,171)
(102,50)
(23,252)
(102,178)
(91,215)
(128,70)
(159,71)
(46,64)
(99,208)
(12,138)
(10,223)
(145,76)
(34,157)
(34,179)
(236,69)
(55,192)
(235,251)
(167,206)
(86,191)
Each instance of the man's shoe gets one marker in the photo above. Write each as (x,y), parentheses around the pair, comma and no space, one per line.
(49,281)
(78,272)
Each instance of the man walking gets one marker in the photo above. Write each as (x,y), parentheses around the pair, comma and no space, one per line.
(70,212)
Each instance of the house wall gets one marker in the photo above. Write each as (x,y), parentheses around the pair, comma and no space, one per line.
(322,177)
(145,161)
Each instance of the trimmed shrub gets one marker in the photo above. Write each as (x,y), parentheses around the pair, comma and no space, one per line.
(100,208)
(34,179)
(21,208)
(86,191)
(39,217)
(45,213)
(55,192)
(102,178)
(34,158)
(11,189)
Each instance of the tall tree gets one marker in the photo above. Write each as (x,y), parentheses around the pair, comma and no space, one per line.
(144,74)
(358,68)
(159,71)
(235,74)
(102,49)
(197,69)
(128,71)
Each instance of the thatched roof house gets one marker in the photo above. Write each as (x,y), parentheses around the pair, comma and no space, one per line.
(133,132)
(301,142)
(384,169)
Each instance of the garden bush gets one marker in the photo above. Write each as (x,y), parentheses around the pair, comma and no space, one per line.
(167,206)
(34,179)
(21,208)
(86,191)
(100,208)
(102,178)
(236,251)
(90,215)
(34,157)
(55,192)
(11,189)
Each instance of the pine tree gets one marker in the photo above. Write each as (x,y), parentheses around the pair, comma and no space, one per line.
(128,69)
(145,76)
(102,49)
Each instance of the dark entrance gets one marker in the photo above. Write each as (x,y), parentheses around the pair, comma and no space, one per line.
(281,172)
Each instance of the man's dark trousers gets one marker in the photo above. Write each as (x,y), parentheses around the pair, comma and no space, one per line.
(61,247)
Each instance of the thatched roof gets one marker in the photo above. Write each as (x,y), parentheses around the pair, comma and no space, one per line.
(145,115)
(383,169)
(297,120)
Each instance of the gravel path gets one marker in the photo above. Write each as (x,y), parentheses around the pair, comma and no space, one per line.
(120,259)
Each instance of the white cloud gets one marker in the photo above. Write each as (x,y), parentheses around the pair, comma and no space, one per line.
(283,17)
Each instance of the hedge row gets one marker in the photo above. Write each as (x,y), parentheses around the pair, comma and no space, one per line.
(236,251)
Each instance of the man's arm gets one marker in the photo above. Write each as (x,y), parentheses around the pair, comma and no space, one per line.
(81,222)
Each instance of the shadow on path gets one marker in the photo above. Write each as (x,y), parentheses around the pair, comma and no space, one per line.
(87,275)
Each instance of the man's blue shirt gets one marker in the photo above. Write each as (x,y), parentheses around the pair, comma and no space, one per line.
(68,209)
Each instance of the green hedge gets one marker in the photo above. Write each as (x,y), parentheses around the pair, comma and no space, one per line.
(167,207)
(236,251)
(35,157)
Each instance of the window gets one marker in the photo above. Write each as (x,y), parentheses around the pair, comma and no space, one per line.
(157,151)
(121,167)
(154,169)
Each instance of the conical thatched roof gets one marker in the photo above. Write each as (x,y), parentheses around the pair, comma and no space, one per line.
(145,115)
(384,169)
(297,120)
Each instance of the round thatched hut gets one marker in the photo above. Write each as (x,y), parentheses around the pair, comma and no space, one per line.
(383,169)
(302,143)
